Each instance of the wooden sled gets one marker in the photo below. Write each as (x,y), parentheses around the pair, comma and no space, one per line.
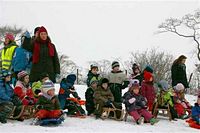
(162,111)
(27,112)
(112,113)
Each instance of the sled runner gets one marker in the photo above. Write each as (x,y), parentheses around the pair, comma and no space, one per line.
(112,113)
(27,112)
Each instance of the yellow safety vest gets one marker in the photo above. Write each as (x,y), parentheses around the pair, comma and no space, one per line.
(7,56)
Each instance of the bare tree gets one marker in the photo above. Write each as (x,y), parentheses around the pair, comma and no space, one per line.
(10,29)
(160,61)
(67,66)
(188,27)
(103,65)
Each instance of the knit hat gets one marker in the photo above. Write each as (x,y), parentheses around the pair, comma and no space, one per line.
(4,73)
(93,80)
(104,80)
(10,36)
(147,76)
(93,66)
(47,85)
(148,68)
(44,75)
(22,74)
(115,64)
(179,87)
(36,29)
(70,79)
(163,85)
(42,29)
(134,83)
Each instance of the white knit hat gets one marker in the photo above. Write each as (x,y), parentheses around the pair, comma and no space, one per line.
(179,87)
(47,85)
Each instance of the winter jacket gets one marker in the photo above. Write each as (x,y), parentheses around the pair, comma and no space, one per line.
(139,103)
(148,91)
(138,76)
(103,95)
(6,92)
(65,90)
(7,55)
(24,93)
(89,96)
(48,104)
(46,63)
(165,98)
(196,110)
(21,60)
(179,75)
(118,81)
(90,75)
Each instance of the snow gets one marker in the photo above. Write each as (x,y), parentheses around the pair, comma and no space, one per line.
(90,124)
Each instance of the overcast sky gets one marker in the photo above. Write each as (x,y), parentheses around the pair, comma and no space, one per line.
(86,30)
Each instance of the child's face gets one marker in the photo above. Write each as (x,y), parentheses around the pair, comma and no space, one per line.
(44,79)
(51,92)
(94,85)
(198,101)
(116,69)
(6,41)
(26,79)
(136,71)
(94,70)
(136,90)
(105,85)
(8,78)
(151,79)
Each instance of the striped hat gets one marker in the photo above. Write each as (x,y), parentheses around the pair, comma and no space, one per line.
(22,74)
(47,85)
(115,64)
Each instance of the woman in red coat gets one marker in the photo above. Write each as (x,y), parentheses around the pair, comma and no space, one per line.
(148,90)
(23,90)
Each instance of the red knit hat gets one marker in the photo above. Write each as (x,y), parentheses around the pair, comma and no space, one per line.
(147,76)
(10,36)
(42,29)
(22,74)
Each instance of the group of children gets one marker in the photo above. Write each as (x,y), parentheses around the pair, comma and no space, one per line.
(102,92)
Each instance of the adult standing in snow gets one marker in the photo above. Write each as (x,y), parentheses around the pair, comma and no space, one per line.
(8,51)
(45,57)
(178,72)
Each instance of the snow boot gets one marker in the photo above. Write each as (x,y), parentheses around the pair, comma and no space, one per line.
(153,121)
(140,121)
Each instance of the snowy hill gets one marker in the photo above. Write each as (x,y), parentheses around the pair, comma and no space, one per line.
(89,124)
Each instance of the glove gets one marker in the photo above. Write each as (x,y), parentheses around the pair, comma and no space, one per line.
(132,100)
(37,91)
(108,103)
(31,102)
(27,97)
(78,98)
(27,34)
(39,107)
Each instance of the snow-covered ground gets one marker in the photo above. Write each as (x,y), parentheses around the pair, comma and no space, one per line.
(89,124)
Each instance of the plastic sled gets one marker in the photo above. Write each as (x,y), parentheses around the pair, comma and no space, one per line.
(51,122)
(193,124)
(80,102)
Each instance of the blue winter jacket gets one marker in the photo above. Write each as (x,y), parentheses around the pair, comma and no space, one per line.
(21,60)
(6,92)
(196,110)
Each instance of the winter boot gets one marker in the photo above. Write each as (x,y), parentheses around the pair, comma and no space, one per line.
(140,121)
(153,121)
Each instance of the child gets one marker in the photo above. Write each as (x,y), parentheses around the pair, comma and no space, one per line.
(136,104)
(136,73)
(148,90)
(89,96)
(181,104)
(93,72)
(6,96)
(67,88)
(36,86)
(196,111)
(48,103)
(23,90)
(103,97)
(165,98)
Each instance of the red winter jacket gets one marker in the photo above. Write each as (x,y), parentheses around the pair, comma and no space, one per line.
(25,94)
(148,91)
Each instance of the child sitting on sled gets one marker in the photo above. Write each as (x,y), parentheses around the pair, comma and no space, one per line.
(181,104)
(165,98)
(196,111)
(23,89)
(48,104)
(67,88)
(136,104)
